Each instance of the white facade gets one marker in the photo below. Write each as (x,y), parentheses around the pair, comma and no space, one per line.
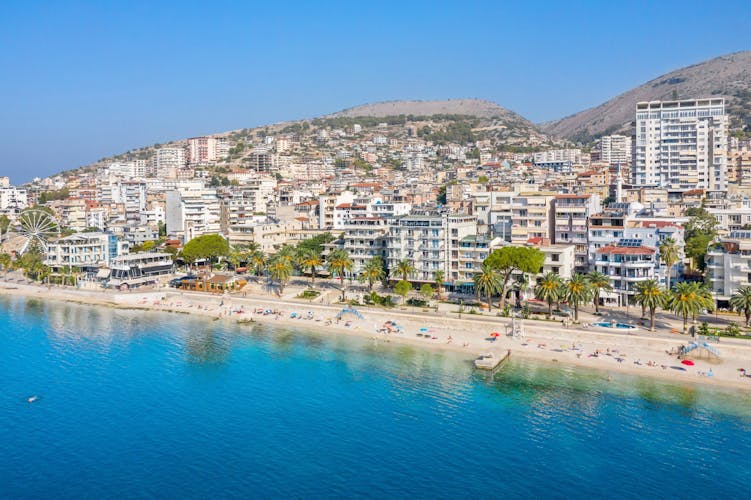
(426,238)
(85,250)
(615,149)
(729,264)
(681,145)
(167,161)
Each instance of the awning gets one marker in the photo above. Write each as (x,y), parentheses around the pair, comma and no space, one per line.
(102,273)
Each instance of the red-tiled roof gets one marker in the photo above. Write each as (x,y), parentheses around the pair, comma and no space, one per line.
(535,240)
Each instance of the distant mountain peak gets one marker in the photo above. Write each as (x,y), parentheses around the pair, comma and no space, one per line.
(726,76)
(472,107)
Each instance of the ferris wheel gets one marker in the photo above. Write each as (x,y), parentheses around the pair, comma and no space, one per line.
(37,227)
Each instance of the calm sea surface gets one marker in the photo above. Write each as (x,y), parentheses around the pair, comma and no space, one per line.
(135,404)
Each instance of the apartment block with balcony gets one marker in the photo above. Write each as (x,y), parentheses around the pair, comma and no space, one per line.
(426,238)
(681,145)
(365,238)
(626,264)
(729,265)
(532,217)
(85,251)
(467,257)
(572,212)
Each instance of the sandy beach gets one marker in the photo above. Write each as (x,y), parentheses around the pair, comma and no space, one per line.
(640,352)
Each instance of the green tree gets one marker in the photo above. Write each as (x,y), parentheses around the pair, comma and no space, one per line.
(700,230)
(438,278)
(311,261)
(687,299)
(339,263)
(740,302)
(598,282)
(578,291)
(402,288)
(404,268)
(669,254)
(487,282)
(257,260)
(650,296)
(4,223)
(510,259)
(427,291)
(280,269)
(207,246)
(549,290)
(372,272)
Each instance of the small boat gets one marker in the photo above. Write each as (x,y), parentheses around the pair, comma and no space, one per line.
(32,399)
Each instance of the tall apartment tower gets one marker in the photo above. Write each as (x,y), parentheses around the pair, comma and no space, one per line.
(681,145)
(615,149)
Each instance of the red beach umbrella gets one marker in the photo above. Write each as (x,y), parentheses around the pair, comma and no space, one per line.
(687,362)
(495,334)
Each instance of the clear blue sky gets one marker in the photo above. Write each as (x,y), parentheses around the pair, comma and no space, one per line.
(83,80)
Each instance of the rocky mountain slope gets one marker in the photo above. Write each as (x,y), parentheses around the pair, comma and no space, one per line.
(469,107)
(726,76)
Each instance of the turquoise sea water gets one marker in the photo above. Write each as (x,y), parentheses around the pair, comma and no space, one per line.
(135,404)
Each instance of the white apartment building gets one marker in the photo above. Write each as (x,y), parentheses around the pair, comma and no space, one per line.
(167,162)
(13,200)
(615,149)
(467,257)
(426,238)
(572,212)
(365,238)
(559,259)
(625,263)
(86,251)
(729,265)
(191,213)
(532,217)
(681,145)
(574,156)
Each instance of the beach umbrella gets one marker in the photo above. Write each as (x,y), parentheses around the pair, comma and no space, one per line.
(687,362)
(495,334)
(423,329)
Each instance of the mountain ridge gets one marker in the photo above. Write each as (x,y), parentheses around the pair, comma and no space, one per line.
(727,76)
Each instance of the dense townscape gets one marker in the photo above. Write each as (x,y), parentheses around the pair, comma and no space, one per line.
(481,206)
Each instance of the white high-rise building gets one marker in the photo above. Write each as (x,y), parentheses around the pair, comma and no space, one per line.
(615,149)
(681,145)
(167,161)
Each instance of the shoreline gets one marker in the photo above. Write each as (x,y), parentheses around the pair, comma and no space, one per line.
(631,354)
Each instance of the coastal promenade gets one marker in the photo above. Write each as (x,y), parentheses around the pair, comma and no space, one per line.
(638,352)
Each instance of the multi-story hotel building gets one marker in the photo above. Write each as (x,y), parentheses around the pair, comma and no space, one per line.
(681,145)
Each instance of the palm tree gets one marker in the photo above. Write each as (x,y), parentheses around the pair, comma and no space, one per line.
(487,282)
(339,263)
(6,261)
(598,282)
(310,260)
(280,269)
(521,283)
(438,278)
(650,296)
(548,289)
(687,299)
(372,272)
(669,255)
(257,260)
(578,291)
(741,302)
(405,268)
